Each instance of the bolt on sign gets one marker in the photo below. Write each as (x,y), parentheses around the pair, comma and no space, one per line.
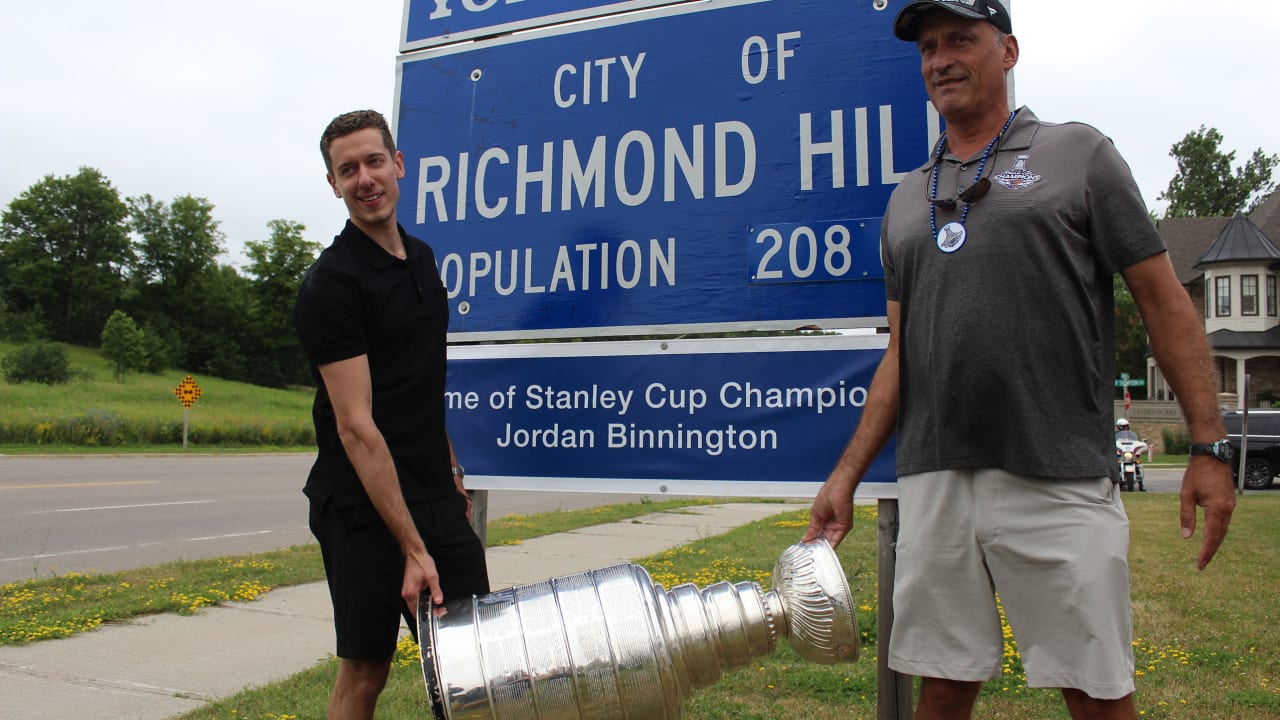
(188,392)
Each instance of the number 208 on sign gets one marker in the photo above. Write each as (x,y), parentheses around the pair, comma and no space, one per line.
(814,252)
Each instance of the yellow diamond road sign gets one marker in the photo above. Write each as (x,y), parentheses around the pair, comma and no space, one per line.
(188,392)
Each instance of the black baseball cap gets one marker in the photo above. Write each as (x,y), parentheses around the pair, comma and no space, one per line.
(993,11)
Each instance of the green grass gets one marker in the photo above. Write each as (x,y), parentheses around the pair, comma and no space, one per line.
(69,604)
(1208,643)
(95,411)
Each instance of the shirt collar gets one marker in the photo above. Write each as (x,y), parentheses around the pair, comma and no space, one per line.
(1021,132)
(373,253)
(1018,137)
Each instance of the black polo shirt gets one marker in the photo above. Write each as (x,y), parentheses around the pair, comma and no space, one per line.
(358,299)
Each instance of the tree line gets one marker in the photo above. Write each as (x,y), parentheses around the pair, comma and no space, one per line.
(73,253)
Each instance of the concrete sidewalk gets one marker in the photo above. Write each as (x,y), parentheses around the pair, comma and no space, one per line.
(165,665)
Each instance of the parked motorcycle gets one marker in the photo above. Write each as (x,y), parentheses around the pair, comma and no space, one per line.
(1129,451)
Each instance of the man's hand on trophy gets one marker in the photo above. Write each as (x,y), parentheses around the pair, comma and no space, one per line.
(420,576)
(831,515)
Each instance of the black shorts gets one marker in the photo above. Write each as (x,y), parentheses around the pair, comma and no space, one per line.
(365,569)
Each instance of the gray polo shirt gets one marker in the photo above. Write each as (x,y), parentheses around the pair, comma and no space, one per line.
(1007,342)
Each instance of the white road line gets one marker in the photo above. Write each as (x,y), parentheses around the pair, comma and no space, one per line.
(122,507)
(230,535)
(42,556)
(58,485)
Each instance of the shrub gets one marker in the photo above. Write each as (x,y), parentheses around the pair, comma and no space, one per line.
(1175,441)
(42,362)
(104,428)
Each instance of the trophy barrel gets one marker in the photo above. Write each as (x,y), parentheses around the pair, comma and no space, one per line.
(609,644)
(575,647)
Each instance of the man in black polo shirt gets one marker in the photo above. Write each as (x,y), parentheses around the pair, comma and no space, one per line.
(387,502)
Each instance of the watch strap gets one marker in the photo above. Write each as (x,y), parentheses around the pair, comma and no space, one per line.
(1219,449)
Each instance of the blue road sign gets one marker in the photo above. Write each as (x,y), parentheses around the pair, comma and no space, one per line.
(735,417)
(434,22)
(702,166)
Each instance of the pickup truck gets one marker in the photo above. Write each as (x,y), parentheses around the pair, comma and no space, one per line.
(1263,460)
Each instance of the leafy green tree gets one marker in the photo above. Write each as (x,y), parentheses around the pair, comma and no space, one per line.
(178,248)
(123,344)
(158,350)
(215,335)
(1207,185)
(1130,336)
(64,252)
(179,242)
(276,267)
(180,291)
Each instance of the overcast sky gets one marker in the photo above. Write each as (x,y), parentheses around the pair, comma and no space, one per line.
(226,100)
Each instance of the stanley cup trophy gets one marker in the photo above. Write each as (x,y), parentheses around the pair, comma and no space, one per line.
(610,644)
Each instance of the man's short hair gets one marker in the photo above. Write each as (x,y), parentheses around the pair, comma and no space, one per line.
(348,123)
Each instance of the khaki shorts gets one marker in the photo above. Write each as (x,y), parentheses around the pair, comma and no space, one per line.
(1056,552)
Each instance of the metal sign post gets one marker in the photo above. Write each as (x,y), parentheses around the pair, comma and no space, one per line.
(1244,437)
(893,690)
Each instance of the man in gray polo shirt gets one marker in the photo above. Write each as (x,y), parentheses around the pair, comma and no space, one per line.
(999,255)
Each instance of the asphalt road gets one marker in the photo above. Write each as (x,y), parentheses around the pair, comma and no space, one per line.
(1169,480)
(102,514)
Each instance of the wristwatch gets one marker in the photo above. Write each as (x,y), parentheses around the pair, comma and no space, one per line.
(459,471)
(1220,450)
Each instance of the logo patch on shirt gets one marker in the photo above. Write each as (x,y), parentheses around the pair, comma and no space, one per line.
(951,237)
(1018,176)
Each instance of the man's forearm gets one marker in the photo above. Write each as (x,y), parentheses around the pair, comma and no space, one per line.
(372,461)
(879,418)
(1182,354)
(1178,345)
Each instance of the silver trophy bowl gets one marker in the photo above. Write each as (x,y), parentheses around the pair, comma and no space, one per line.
(611,644)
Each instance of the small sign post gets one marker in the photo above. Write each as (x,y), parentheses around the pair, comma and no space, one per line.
(1126,382)
(188,392)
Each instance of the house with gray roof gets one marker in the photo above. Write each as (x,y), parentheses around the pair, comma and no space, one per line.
(1229,267)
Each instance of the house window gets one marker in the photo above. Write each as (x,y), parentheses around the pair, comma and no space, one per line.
(1248,294)
(1271,295)
(1223,287)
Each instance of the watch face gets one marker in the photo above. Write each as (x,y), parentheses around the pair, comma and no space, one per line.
(1220,450)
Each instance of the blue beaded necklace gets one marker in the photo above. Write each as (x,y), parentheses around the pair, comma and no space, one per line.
(953,233)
